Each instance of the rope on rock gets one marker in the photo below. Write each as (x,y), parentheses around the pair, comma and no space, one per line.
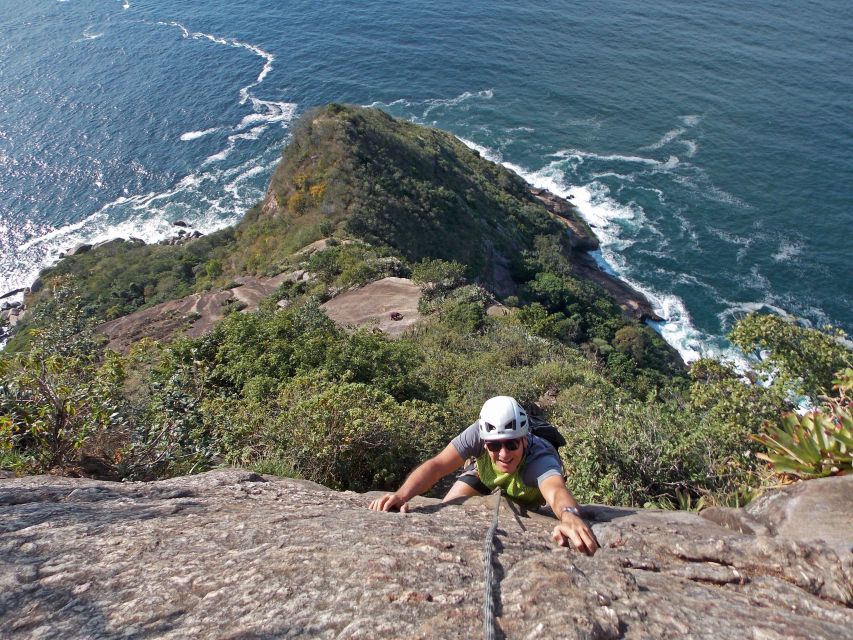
(488,548)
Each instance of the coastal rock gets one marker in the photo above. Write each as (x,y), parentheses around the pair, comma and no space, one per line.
(13,292)
(80,248)
(232,554)
(580,237)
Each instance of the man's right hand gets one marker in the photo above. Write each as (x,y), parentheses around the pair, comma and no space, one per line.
(390,502)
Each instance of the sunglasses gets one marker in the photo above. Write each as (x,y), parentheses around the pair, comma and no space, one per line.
(496,446)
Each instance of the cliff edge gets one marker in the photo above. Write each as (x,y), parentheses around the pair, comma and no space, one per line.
(232,554)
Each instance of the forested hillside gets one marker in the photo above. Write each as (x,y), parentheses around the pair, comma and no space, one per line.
(284,390)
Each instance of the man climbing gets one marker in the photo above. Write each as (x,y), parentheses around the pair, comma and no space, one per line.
(525,466)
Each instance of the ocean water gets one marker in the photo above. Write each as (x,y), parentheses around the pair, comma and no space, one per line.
(709,144)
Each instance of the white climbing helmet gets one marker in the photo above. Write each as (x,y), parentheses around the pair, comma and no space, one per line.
(502,418)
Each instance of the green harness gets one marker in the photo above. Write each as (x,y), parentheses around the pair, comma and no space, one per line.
(510,483)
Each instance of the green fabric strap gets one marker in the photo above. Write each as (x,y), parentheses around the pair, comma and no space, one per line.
(510,483)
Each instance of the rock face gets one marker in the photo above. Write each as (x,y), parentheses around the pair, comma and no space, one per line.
(373,305)
(192,316)
(231,554)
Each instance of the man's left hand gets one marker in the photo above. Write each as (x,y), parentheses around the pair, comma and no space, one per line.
(573,530)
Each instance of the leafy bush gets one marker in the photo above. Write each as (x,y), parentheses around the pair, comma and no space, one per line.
(351,436)
(627,452)
(817,444)
(797,358)
(61,391)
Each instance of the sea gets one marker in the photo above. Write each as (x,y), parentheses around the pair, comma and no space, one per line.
(709,144)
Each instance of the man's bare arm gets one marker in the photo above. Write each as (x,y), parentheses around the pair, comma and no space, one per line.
(420,480)
(571,528)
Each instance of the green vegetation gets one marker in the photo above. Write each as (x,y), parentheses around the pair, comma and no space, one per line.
(287,391)
(817,444)
(120,277)
(60,395)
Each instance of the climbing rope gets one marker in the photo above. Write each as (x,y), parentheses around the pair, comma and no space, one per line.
(488,548)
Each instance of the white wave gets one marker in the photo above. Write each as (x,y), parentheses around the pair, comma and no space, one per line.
(251,119)
(378,104)
(612,174)
(90,36)
(607,217)
(598,209)
(486,153)
(148,215)
(702,185)
(486,94)
(67,230)
(787,250)
(731,238)
(690,121)
(219,156)
(583,155)
(678,330)
(736,310)
(757,280)
(264,110)
(253,170)
(195,135)
(692,147)
(668,137)
(670,163)
(658,192)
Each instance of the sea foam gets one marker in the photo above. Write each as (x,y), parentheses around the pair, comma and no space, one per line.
(195,135)
(607,216)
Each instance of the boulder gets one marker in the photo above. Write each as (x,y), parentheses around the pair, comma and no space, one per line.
(232,554)
(80,248)
(13,292)
(812,511)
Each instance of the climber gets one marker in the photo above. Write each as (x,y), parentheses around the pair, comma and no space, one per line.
(508,455)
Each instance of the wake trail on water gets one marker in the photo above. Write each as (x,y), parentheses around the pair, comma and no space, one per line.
(211,197)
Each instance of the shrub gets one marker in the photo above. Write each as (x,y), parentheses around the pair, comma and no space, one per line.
(61,391)
(798,358)
(817,444)
(626,452)
(351,436)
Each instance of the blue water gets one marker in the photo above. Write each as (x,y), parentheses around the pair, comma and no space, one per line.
(709,145)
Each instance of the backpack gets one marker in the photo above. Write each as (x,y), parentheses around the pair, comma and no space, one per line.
(547,431)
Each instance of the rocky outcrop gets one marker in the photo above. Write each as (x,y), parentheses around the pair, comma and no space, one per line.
(193,315)
(815,511)
(581,236)
(582,239)
(389,305)
(231,554)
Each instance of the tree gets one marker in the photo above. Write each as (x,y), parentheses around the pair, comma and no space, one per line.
(802,360)
(61,390)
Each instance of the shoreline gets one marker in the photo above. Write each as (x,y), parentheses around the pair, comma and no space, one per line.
(581,237)
(583,240)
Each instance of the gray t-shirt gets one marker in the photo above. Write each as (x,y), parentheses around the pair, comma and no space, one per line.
(540,460)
